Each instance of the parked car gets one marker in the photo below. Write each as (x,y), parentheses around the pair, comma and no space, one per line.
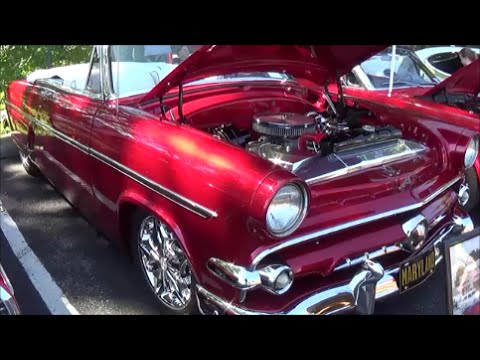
(460,91)
(442,60)
(411,76)
(8,303)
(242,195)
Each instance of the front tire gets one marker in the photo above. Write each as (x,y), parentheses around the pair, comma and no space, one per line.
(161,260)
(28,164)
(473,187)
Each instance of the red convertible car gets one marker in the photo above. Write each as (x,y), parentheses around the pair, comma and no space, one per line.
(230,186)
(461,91)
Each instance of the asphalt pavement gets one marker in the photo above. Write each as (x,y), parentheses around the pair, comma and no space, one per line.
(95,276)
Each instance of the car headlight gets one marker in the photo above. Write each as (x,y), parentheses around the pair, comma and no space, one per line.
(286,210)
(472,152)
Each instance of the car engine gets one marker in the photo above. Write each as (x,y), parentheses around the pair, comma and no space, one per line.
(316,145)
(288,138)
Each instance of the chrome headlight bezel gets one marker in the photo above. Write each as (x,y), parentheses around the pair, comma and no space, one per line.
(471,152)
(299,216)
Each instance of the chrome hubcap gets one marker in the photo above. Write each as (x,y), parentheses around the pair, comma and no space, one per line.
(164,263)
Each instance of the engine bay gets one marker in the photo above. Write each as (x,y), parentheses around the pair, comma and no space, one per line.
(289,139)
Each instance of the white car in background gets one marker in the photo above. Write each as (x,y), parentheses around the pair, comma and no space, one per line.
(442,60)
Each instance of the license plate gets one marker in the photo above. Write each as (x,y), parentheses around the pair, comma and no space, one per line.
(416,270)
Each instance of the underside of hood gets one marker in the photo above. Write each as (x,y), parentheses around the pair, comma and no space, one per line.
(316,63)
(466,80)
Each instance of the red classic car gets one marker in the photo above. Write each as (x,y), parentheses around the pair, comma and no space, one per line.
(460,91)
(233,191)
(410,75)
(8,303)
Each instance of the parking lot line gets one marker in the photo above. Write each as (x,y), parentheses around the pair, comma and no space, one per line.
(48,289)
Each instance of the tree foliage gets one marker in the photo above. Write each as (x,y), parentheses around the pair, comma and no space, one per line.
(16,61)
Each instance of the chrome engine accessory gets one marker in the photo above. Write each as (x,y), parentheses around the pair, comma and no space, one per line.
(284,125)
(289,139)
(315,168)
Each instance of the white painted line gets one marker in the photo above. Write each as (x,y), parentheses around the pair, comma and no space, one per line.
(48,289)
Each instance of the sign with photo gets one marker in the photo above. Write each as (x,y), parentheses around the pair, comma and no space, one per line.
(462,255)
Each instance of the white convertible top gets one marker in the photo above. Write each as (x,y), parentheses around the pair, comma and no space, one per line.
(73,76)
(135,77)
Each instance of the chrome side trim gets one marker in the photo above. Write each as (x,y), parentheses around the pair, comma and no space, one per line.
(150,184)
(159,189)
(351,224)
(66,139)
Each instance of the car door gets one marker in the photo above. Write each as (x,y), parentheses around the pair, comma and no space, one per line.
(71,115)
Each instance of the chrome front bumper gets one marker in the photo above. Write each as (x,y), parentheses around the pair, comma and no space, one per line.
(359,295)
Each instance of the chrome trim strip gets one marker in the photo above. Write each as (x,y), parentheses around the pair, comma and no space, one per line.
(159,189)
(364,165)
(350,224)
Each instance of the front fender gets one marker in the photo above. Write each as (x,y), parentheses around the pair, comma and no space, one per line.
(196,247)
(130,198)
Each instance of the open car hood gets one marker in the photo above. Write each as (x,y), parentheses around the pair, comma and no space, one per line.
(316,63)
(466,80)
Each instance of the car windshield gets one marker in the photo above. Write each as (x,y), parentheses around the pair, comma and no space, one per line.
(408,70)
(136,69)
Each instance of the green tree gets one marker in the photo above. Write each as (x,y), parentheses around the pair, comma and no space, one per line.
(16,61)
